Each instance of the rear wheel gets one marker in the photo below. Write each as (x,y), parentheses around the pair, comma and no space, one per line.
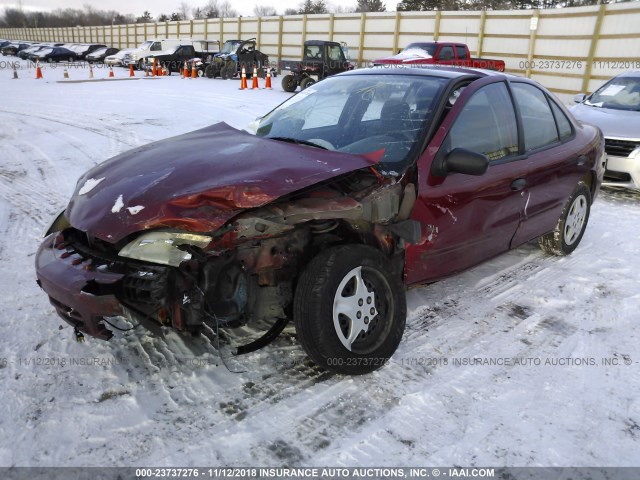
(571,225)
(350,309)
(229,70)
(289,83)
(306,82)
(141,65)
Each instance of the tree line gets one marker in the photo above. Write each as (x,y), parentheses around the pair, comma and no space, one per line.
(88,16)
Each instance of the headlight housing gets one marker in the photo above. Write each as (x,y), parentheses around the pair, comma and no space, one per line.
(162,247)
(58,224)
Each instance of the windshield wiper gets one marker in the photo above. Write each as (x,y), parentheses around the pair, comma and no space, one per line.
(297,141)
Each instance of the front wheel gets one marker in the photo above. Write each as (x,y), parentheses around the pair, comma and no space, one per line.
(571,225)
(289,83)
(350,309)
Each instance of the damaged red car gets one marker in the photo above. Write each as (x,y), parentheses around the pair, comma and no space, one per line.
(334,201)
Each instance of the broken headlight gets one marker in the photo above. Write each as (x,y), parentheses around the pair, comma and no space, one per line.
(163,247)
(58,224)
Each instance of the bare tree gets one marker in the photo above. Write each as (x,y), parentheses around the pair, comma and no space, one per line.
(226,10)
(184,10)
(291,11)
(264,11)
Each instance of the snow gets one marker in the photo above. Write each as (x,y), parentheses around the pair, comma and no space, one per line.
(144,400)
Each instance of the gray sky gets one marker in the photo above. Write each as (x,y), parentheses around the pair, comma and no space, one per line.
(156,7)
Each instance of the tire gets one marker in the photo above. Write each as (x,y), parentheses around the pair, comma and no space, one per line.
(261,73)
(229,70)
(571,225)
(70,59)
(289,83)
(324,332)
(141,65)
(208,71)
(306,82)
(49,60)
(200,72)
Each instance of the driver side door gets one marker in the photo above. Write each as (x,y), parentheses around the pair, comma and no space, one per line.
(467,219)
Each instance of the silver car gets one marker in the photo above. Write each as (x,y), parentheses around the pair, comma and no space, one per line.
(615,108)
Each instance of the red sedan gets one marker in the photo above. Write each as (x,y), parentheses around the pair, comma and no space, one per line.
(355,187)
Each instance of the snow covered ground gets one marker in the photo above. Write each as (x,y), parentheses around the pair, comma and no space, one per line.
(141,400)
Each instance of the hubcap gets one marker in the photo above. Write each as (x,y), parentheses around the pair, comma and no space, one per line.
(353,308)
(575,220)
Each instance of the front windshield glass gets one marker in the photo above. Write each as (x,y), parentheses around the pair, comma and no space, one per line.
(426,50)
(146,45)
(385,116)
(621,93)
(229,47)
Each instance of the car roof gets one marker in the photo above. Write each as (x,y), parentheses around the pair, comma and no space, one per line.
(320,42)
(426,71)
(632,74)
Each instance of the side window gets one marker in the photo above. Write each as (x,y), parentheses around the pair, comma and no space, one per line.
(335,53)
(445,53)
(564,125)
(462,52)
(537,120)
(487,124)
(156,47)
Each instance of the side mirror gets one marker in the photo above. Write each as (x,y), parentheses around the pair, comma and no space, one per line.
(461,160)
(579,98)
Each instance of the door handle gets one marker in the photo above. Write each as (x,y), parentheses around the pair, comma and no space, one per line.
(518,184)
(581,160)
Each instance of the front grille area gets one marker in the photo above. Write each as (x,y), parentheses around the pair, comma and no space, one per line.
(142,284)
(611,176)
(620,148)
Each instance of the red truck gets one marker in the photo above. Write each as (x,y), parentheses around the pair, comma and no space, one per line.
(440,53)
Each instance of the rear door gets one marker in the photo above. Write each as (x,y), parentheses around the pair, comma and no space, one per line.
(554,164)
(467,219)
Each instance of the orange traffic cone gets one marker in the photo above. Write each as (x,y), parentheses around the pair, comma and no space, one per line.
(90,71)
(243,80)
(111,75)
(154,71)
(267,84)
(66,74)
(131,74)
(38,71)
(15,72)
(194,72)
(185,72)
(254,79)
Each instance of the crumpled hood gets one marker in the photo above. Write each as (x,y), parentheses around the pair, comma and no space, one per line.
(614,123)
(196,181)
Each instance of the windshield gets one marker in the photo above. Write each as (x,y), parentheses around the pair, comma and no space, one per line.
(420,49)
(145,45)
(100,51)
(622,93)
(230,47)
(382,115)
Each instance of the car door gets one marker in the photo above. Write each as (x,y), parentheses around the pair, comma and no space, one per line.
(554,166)
(467,219)
(336,62)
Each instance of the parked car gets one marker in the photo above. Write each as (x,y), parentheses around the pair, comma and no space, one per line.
(368,180)
(117,59)
(137,57)
(615,108)
(101,54)
(55,54)
(14,48)
(83,50)
(321,60)
(175,57)
(440,53)
(24,54)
